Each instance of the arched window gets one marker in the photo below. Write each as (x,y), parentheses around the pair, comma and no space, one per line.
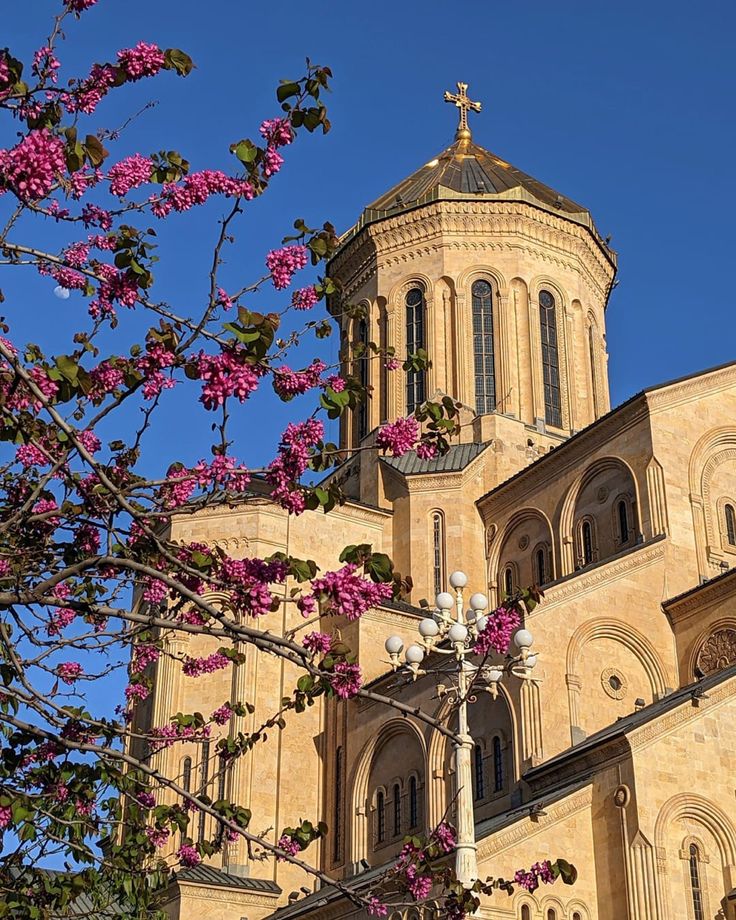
(397,810)
(438,558)
(204,777)
(550,360)
(497,765)
(551,914)
(576,915)
(586,539)
(483,352)
(508,581)
(593,381)
(362,360)
(337,813)
(415,380)
(623,521)
(186,774)
(413,803)
(479,779)
(380,818)
(541,568)
(730,524)
(695,885)
(526,914)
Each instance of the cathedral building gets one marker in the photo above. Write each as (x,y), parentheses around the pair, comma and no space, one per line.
(619,753)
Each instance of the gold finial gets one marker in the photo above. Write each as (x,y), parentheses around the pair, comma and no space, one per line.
(461,100)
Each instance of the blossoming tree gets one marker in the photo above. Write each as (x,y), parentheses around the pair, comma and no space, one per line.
(88,573)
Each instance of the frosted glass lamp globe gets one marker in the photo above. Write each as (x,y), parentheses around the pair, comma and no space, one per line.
(478,601)
(458,632)
(458,579)
(445,601)
(428,628)
(523,638)
(414,654)
(394,645)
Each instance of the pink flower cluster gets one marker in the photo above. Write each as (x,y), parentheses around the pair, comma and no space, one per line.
(277,132)
(94,216)
(155,591)
(88,94)
(317,643)
(116,286)
(196,667)
(105,379)
(143,656)
(188,856)
(376,908)
(69,671)
(284,263)
(272,162)
(130,173)
(33,165)
(288,845)
(142,61)
(399,436)
(222,715)
(288,383)
(539,872)
(79,6)
(293,458)
(196,188)
(343,593)
(44,61)
(305,298)
(29,455)
(346,680)
(151,366)
(60,619)
(249,580)
(499,628)
(6,816)
(445,836)
(157,836)
(166,735)
(226,374)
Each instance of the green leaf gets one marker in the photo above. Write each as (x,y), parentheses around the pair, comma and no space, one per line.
(178,60)
(286,90)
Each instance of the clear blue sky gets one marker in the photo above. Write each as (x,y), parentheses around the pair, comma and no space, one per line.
(625,107)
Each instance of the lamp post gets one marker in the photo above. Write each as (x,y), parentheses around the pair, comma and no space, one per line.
(455,636)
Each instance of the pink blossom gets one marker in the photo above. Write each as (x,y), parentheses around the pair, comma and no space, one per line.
(305,298)
(82,180)
(143,656)
(157,836)
(222,715)
(130,173)
(392,364)
(93,216)
(426,450)
(224,299)
(272,162)
(277,132)
(419,886)
(188,856)
(6,815)
(61,618)
(44,61)
(288,845)
(292,460)
(30,455)
(336,382)
(155,591)
(307,605)
(224,375)
(343,593)
(288,383)
(89,440)
(146,800)
(69,671)
(87,538)
(283,263)
(79,6)
(376,908)
(399,436)
(496,635)
(346,680)
(142,61)
(106,378)
(77,254)
(137,692)
(195,667)
(33,165)
(318,643)
(445,836)
(196,188)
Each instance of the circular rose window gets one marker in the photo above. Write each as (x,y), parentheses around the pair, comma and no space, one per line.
(614,683)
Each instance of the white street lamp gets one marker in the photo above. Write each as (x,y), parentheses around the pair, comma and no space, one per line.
(455,636)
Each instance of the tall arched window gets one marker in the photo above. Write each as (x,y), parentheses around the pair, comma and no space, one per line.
(551,914)
(695,885)
(380,818)
(586,537)
(362,359)
(541,569)
(438,557)
(337,812)
(623,521)
(483,349)
(730,524)
(186,774)
(479,778)
(204,778)
(415,380)
(593,381)
(508,581)
(550,360)
(413,803)
(397,810)
(497,765)
(526,914)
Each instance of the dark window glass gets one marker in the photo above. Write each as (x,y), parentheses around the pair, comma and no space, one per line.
(695,887)
(593,382)
(415,380)
(551,914)
(526,914)
(550,360)
(186,774)
(587,535)
(508,581)
(497,765)
(623,521)
(204,778)
(576,916)
(397,810)
(731,525)
(479,779)
(362,358)
(337,816)
(438,542)
(541,566)
(413,803)
(483,351)
(380,818)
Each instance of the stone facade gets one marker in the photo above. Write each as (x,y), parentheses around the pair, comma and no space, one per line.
(620,753)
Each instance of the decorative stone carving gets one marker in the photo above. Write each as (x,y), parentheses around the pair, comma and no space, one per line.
(621,796)
(602,494)
(523,541)
(614,683)
(718,651)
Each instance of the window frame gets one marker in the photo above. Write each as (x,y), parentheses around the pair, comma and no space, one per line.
(415,331)
(484,346)
(549,339)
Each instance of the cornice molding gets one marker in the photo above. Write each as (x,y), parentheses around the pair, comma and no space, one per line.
(674,394)
(702,597)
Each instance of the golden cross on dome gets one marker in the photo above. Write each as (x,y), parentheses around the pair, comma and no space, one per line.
(461,100)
